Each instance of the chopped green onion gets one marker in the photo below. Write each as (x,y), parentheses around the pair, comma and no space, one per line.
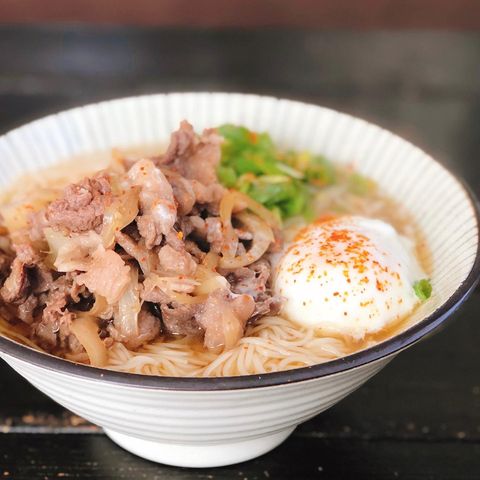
(320,171)
(281,181)
(423,289)
(290,171)
(360,185)
(227,176)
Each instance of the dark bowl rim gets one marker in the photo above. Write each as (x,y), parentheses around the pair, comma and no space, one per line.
(196,384)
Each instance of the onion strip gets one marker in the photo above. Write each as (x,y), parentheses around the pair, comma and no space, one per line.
(99,307)
(230,240)
(129,305)
(235,198)
(176,288)
(85,328)
(211,260)
(119,214)
(262,238)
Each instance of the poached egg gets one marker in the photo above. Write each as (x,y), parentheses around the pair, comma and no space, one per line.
(348,276)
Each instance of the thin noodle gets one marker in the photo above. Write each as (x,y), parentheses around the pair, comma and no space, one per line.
(273,343)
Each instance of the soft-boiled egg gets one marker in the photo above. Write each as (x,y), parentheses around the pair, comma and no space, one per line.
(349,276)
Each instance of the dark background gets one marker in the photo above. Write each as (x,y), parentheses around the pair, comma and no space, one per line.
(420,417)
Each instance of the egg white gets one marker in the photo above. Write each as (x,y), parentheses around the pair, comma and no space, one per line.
(349,276)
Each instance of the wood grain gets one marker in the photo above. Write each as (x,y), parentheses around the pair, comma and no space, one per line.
(420,417)
(89,457)
(365,14)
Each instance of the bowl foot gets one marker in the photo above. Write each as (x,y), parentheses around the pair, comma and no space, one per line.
(200,456)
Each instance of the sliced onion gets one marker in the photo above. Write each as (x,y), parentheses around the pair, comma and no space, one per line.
(85,328)
(211,260)
(227,205)
(67,254)
(234,198)
(230,239)
(119,214)
(176,288)
(99,307)
(126,316)
(207,277)
(232,330)
(208,286)
(117,163)
(56,240)
(186,299)
(262,238)
(226,334)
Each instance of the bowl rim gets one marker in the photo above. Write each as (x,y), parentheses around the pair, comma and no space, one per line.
(381,350)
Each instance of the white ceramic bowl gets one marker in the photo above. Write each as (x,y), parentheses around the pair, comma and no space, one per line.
(213,422)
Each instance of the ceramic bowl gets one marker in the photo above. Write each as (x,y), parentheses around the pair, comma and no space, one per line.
(219,421)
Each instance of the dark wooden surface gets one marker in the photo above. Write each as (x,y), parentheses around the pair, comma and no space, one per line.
(420,417)
(364,14)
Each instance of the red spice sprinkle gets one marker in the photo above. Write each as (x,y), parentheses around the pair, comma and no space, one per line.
(253,137)
(364,304)
(340,247)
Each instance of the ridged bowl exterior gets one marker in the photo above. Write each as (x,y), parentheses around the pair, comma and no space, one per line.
(217,419)
(218,425)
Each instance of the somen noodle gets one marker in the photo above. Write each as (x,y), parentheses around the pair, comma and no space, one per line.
(165,264)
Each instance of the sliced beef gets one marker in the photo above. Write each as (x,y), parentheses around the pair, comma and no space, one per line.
(162,289)
(177,224)
(201,165)
(193,249)
(210,230)
(53,329)
(5,262)
(182,142)
(224,317)
(198,225)
(178,262)
(208,194)
(26,254)
(148,230)
(185,227)
(243,234)
(17,286)
(174,238)
(148,329)
(182,191)
(107,275)
(38,222)
(180,319)
(81,206)
(253,280)
(214,231)
(26,309)
(42,279)
(157,203)
(151,293)
(266,304)
(136,249)
(196,158)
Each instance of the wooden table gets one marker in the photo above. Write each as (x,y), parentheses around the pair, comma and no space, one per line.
(420,417)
